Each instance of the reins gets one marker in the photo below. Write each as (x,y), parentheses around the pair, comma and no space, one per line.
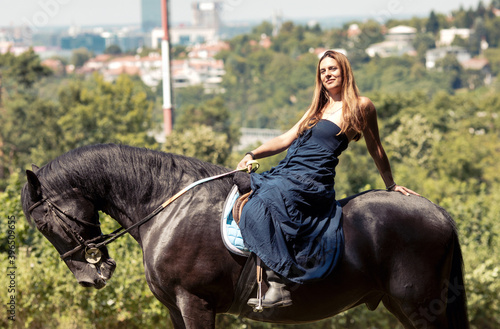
(92,252)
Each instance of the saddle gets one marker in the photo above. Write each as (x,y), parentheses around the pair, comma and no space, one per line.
(238,206)
(231,234)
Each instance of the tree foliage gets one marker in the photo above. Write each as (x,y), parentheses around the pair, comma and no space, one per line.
(23,70)
(80,56)
(95,111)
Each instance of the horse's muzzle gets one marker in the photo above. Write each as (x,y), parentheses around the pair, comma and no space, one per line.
(96,275)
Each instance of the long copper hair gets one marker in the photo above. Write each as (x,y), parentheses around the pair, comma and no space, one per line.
(352,116)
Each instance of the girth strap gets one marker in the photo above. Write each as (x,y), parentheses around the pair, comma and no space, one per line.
(244,288)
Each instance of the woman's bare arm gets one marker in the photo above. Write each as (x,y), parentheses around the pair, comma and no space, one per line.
(274,146)
(375,148)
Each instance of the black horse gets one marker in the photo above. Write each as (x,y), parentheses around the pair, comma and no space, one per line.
(402,251)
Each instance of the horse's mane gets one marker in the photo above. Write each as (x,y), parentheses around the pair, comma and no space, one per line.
(96,169)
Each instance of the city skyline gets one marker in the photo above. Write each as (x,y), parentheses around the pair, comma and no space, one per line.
(49,13)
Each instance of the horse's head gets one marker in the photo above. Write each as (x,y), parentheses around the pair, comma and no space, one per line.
(71,223)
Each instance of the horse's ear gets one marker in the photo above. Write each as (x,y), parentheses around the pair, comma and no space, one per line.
(34,167)
(34,186)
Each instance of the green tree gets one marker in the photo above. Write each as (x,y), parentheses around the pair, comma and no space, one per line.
(86,112)
(23,70)
(204,131)
(27,124)
(413,140)
(113,50)
(432,25)
(19,107)
(179,51)
(479,33)
(212,113)
(99,112)
(422,43)
(492,27)
(462,19)
(265,27)
(199,142)
(80,56)
(450,65)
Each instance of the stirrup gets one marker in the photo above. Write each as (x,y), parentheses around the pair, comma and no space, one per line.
(256,303)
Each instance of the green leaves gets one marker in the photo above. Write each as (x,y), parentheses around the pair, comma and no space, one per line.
(104,113)
(201,142)
(24,70)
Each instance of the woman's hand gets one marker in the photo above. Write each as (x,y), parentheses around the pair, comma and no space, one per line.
(404,190)
(244,161)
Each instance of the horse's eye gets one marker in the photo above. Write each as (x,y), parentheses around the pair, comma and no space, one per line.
(41,223)
(42,226)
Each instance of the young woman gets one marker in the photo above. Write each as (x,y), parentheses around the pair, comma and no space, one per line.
(287,221)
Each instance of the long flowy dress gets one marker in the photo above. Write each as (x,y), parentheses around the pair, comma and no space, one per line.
(289,221)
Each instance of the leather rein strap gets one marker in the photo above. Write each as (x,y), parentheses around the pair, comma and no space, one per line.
(108,238)
(115,235)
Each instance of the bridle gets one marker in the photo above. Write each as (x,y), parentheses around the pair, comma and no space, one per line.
(92,246)
(92,252)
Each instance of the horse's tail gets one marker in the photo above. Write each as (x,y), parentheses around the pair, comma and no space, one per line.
(456,310)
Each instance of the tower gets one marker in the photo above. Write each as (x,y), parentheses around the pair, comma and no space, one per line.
(207,14)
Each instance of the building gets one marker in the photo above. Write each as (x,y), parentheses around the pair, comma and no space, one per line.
(205,26)
(353,31)
(401,33)
(481,66)
(126,40)
(184,35)
(198,71)
(56,65)
(434,55)
(398,42)
(150,14)
(207,50)
(207,14)
(389,49)
(205,71)
(446,36)
(92,42)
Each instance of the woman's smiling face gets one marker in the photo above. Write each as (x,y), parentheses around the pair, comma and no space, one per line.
(331,75)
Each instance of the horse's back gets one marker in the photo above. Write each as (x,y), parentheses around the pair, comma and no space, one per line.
(391,224)
(401,244)
(392,219)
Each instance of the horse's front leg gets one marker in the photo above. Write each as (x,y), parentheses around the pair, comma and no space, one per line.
(193,312)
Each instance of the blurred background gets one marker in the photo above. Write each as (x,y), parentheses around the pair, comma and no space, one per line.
(74,73)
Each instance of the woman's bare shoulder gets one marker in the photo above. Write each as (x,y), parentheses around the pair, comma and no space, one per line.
(365,103)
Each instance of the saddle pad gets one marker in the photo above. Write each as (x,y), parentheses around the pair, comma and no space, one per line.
(231,234)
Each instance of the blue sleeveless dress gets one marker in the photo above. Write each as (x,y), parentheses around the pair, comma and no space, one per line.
(289,219)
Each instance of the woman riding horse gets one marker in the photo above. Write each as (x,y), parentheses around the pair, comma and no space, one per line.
(287,221)
(401,251)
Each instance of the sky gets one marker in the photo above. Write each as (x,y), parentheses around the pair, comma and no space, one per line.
(41,13)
